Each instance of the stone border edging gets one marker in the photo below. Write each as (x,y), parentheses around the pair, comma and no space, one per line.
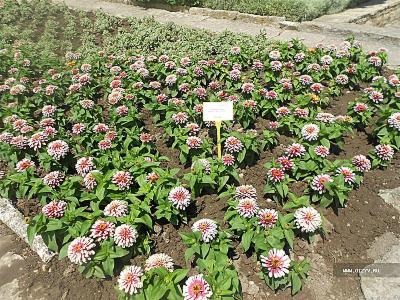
(10,216)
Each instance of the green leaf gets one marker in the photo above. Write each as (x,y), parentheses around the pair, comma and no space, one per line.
(295,283)
(179,275)
(246,239)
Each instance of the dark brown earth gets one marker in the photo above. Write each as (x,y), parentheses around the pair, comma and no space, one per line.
(351,230)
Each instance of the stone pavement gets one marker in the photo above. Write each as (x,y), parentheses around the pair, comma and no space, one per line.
(310,38)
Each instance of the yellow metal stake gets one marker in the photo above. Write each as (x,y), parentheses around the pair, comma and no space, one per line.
(218,125)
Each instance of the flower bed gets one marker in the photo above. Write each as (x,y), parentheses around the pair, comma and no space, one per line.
(81,136)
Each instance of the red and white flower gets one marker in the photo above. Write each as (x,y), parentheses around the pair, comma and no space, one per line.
(318,183)
(348,174)
(159,260)
(360,107)
(116,208)
(247,207)
(180,197)
(54,209)
(57,149)
(267,218)
(361,163)
(307,219)
(54,179)
(196,288)
(384,152)
(84,165)
(245,191)
(394,121)
(102,230)
(233,144)
(122,179)
(130,281)
(24,165)
(321,151)
(228,160)
(376,97)
(125,236)
(276,175)
(277,263)
(208,229)
(180,117)
(295,150)
(37,140)
(286,163)
(194,142)
(310,132)
(80,251)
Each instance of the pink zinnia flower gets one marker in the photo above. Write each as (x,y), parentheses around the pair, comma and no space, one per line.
(180,197)
(24,164)
(122,179)
(180,117)
(384,152)
(101,127)
(81,250)
(146,137)
(319,181)
(194,142)
(277,263)
(295,150)
(348,174)
(37,140)
(362,163)
(307,219)
(54,179)
(48,110)
(84,165)
(285,162)
(228,159)
(125,235)
(54,209)
(57,149)
(247,87)
(310,132)
(247,207)
(360,107)
(321,151)
(233,144)
(267,218)
(159,260)
(102,230)
(196,288)
(78,128)
(208,229)
(129,280)
(245,191)
(376,97)
(394,121)
(116,208)
(89,181)
(276,174)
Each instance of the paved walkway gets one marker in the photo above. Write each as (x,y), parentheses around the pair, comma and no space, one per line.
(219,25)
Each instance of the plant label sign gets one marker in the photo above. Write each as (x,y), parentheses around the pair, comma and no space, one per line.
(218,111)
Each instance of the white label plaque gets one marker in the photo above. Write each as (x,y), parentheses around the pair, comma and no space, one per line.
(218,111)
